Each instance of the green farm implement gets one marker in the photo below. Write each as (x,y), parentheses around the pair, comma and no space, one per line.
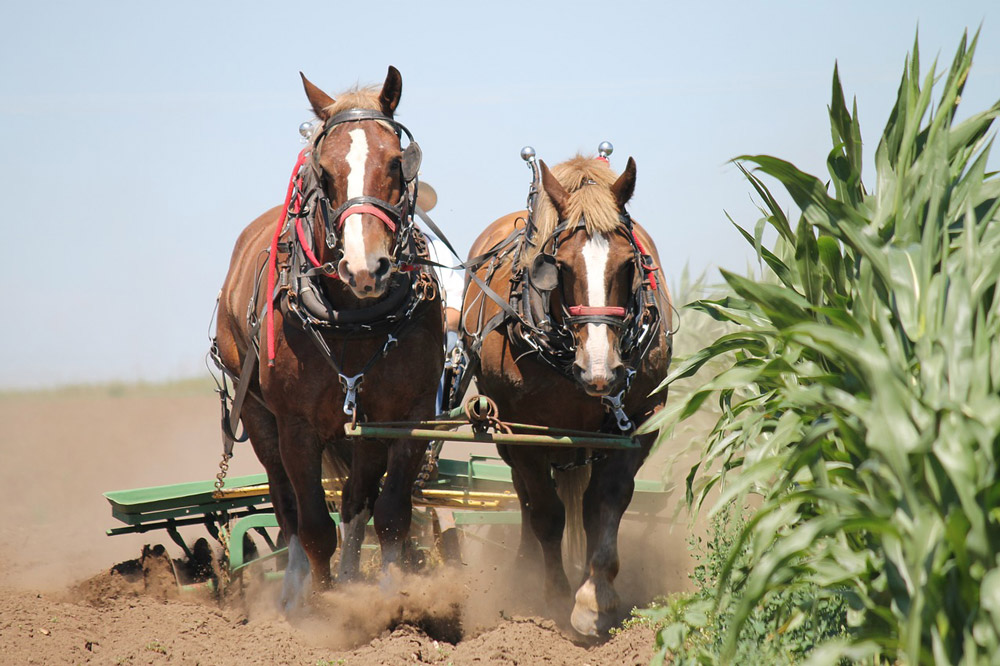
(461,495)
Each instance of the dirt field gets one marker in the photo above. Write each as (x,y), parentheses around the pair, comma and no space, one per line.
(61,603)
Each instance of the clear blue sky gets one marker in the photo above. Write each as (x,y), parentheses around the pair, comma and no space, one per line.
(137,139)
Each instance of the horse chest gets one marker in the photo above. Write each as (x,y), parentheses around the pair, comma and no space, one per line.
(394,386)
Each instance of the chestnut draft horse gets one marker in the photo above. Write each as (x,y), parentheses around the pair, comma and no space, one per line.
(330,292)
(584,338)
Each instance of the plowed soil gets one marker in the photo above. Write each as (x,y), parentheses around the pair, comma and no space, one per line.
(70,594)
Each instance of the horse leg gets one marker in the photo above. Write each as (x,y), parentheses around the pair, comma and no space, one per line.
(263,430)
(608,495)
(316,535)
(394,506)
(260,424)
(546,516)
(528,547)
(360,492)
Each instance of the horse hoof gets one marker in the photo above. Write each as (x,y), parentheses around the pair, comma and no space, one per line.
(297,579)
(586,612)
(391,579)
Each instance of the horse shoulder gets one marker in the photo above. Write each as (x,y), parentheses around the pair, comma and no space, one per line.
(240,282)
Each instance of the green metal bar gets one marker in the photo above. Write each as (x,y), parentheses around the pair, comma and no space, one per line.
(487,517)
(593,440)
(525,427)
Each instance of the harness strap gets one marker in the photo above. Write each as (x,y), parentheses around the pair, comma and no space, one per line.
(650,268)
(485,288)
(273,256)
(242,386)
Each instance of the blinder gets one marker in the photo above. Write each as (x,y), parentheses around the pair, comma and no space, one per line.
(544,272)
(412,156)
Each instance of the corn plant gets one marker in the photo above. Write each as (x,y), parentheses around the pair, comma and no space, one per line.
(861,400)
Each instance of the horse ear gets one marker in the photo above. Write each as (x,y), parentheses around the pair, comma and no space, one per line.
(624,187)
(391,90)
(319,99)
(557,193)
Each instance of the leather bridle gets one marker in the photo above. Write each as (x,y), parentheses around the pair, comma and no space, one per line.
(641,304)
(397,217)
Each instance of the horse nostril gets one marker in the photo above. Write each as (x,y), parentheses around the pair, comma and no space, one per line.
(344,271)
(382,269)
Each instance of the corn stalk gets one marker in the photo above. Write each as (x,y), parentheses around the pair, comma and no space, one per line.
(861,399)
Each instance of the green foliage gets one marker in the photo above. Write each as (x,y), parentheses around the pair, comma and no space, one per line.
(859,396)
(780,630)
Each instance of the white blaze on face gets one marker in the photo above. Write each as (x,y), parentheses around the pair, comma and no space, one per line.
(355,251)
(595,261)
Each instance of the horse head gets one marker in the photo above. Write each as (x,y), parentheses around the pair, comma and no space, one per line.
(592,259)
(365,177)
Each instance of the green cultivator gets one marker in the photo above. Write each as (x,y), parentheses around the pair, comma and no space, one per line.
(451,495)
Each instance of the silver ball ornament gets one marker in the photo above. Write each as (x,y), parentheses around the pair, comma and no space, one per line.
(605,149)
(527,153)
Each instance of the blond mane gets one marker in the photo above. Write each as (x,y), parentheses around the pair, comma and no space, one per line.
(356,98)
(588,181)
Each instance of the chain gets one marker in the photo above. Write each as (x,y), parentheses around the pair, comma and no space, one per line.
(224,578)
(220,482)
(428,468)
(220,478)
(425,287)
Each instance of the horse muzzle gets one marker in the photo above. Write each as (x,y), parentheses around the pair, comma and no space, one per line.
(366,281)
(599,381)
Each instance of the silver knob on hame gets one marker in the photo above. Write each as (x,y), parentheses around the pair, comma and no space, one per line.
(306,128)
(527,153)
(605,149)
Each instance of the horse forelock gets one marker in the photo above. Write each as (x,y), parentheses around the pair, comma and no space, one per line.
(356,98)
(588,181)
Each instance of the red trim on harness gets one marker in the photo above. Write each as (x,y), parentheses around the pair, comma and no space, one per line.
(305,247)
(603,159)
(371,210)
(608,310)
(272,269)
(650,270)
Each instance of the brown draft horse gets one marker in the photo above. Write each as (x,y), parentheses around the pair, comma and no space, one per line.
(586,334)
(348,305)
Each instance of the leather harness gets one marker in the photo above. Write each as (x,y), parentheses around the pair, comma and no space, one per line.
(301,296)
(528,315)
